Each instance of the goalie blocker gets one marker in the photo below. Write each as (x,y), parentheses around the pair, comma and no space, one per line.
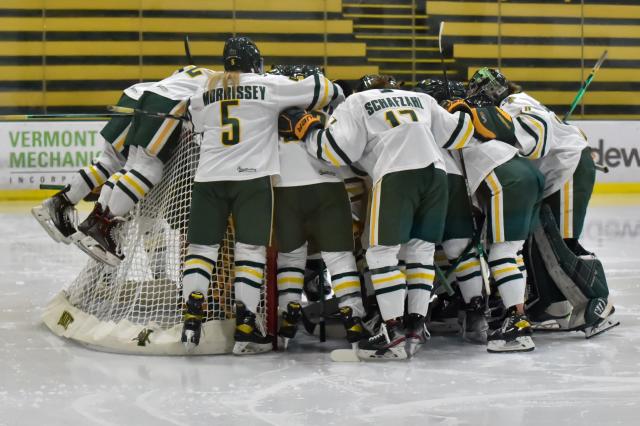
(580,278)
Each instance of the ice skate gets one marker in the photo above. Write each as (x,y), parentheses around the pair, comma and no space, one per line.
(289,324)
(416,333)
(192,317)
(513,336)
(474,321)
(96,236)
(355,331)
(57,216)
(387,345)
(249,340)
(443,314)
(599,315)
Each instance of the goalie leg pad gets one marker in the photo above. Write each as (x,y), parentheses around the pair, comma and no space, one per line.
(581,279)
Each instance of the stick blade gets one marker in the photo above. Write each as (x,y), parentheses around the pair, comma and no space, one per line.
(603,57)
(344,355)
(440,33)
(120,109)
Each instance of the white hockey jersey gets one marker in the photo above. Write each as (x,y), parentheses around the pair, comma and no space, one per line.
(182,85)
(136,90)
(555,147)
(298,168)
(240,125)
(389,130)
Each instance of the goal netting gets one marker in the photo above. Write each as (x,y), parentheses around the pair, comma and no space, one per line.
(137,307)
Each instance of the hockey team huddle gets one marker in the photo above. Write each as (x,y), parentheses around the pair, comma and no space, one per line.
(484,174)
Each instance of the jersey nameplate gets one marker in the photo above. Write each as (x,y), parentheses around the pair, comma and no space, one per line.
(392,102)
(235,92)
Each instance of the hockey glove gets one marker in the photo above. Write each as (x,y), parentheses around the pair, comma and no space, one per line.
(296,122)
(458,105)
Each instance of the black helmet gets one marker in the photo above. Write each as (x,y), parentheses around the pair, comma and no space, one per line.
(296,72)
(375,81)
(491,83)
(435,88)
(279,69)
(241,54)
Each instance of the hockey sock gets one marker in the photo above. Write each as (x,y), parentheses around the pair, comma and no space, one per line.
(520,263)
(198,268)
(467,272)
(420,275)
(107,189)
(91,177)
(505,272)
(388,281)
(249,274)
(136,183)
(290,278)
(345,280)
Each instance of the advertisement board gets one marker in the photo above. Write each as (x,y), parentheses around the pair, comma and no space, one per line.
(39,152)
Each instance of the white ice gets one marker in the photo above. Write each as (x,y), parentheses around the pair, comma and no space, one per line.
(567,380)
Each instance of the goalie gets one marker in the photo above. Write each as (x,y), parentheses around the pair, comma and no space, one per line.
(572,292)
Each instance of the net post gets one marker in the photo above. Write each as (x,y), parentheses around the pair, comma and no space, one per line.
(272,295)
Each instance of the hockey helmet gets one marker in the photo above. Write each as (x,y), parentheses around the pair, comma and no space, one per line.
(375,81)
(490,82)
(241,54)
(435,87)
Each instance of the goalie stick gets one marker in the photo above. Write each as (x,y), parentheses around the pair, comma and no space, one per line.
(585,85)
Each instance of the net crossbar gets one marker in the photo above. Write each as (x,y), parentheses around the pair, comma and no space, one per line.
(137,307)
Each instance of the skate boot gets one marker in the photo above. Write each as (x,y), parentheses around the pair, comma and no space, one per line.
(249,340)
(443,314)
(474,322)
(416,333)
(192,315)
(513,336)
(289,324)
(57,216)
(355,330)
(96,236)
(387,345)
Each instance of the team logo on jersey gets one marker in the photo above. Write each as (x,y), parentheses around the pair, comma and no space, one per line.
(65,319)
(246,170)
(143,337)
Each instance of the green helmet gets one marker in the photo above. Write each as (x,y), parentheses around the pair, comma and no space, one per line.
(491,83)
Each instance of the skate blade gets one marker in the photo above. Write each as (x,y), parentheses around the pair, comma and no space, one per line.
(605,325)
(520,344)
(39,213)
(94,250)
(251,348)
(283,343)
(413,346)
(188,340)
(444,327)
(389,354)
(344,355)
(549,326)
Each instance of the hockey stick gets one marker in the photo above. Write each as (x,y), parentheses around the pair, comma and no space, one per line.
(57,117)
(131,111)
(585,85)
(484,268)
(187,51)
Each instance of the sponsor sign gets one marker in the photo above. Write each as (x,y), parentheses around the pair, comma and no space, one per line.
(615,144)
(37,152)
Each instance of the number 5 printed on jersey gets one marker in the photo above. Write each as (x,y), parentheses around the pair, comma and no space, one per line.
(232,135)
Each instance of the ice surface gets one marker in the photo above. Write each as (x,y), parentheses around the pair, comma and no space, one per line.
(567,380)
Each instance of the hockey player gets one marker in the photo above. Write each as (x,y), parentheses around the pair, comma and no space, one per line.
(394,135)
(312,209)
(238,117)
(560,151)
(57,214)
(151,141)
(509,190)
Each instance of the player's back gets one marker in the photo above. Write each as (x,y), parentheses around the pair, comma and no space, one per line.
(182,84)
(398,124)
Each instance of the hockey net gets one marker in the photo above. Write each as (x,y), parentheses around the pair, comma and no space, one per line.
(137,307)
